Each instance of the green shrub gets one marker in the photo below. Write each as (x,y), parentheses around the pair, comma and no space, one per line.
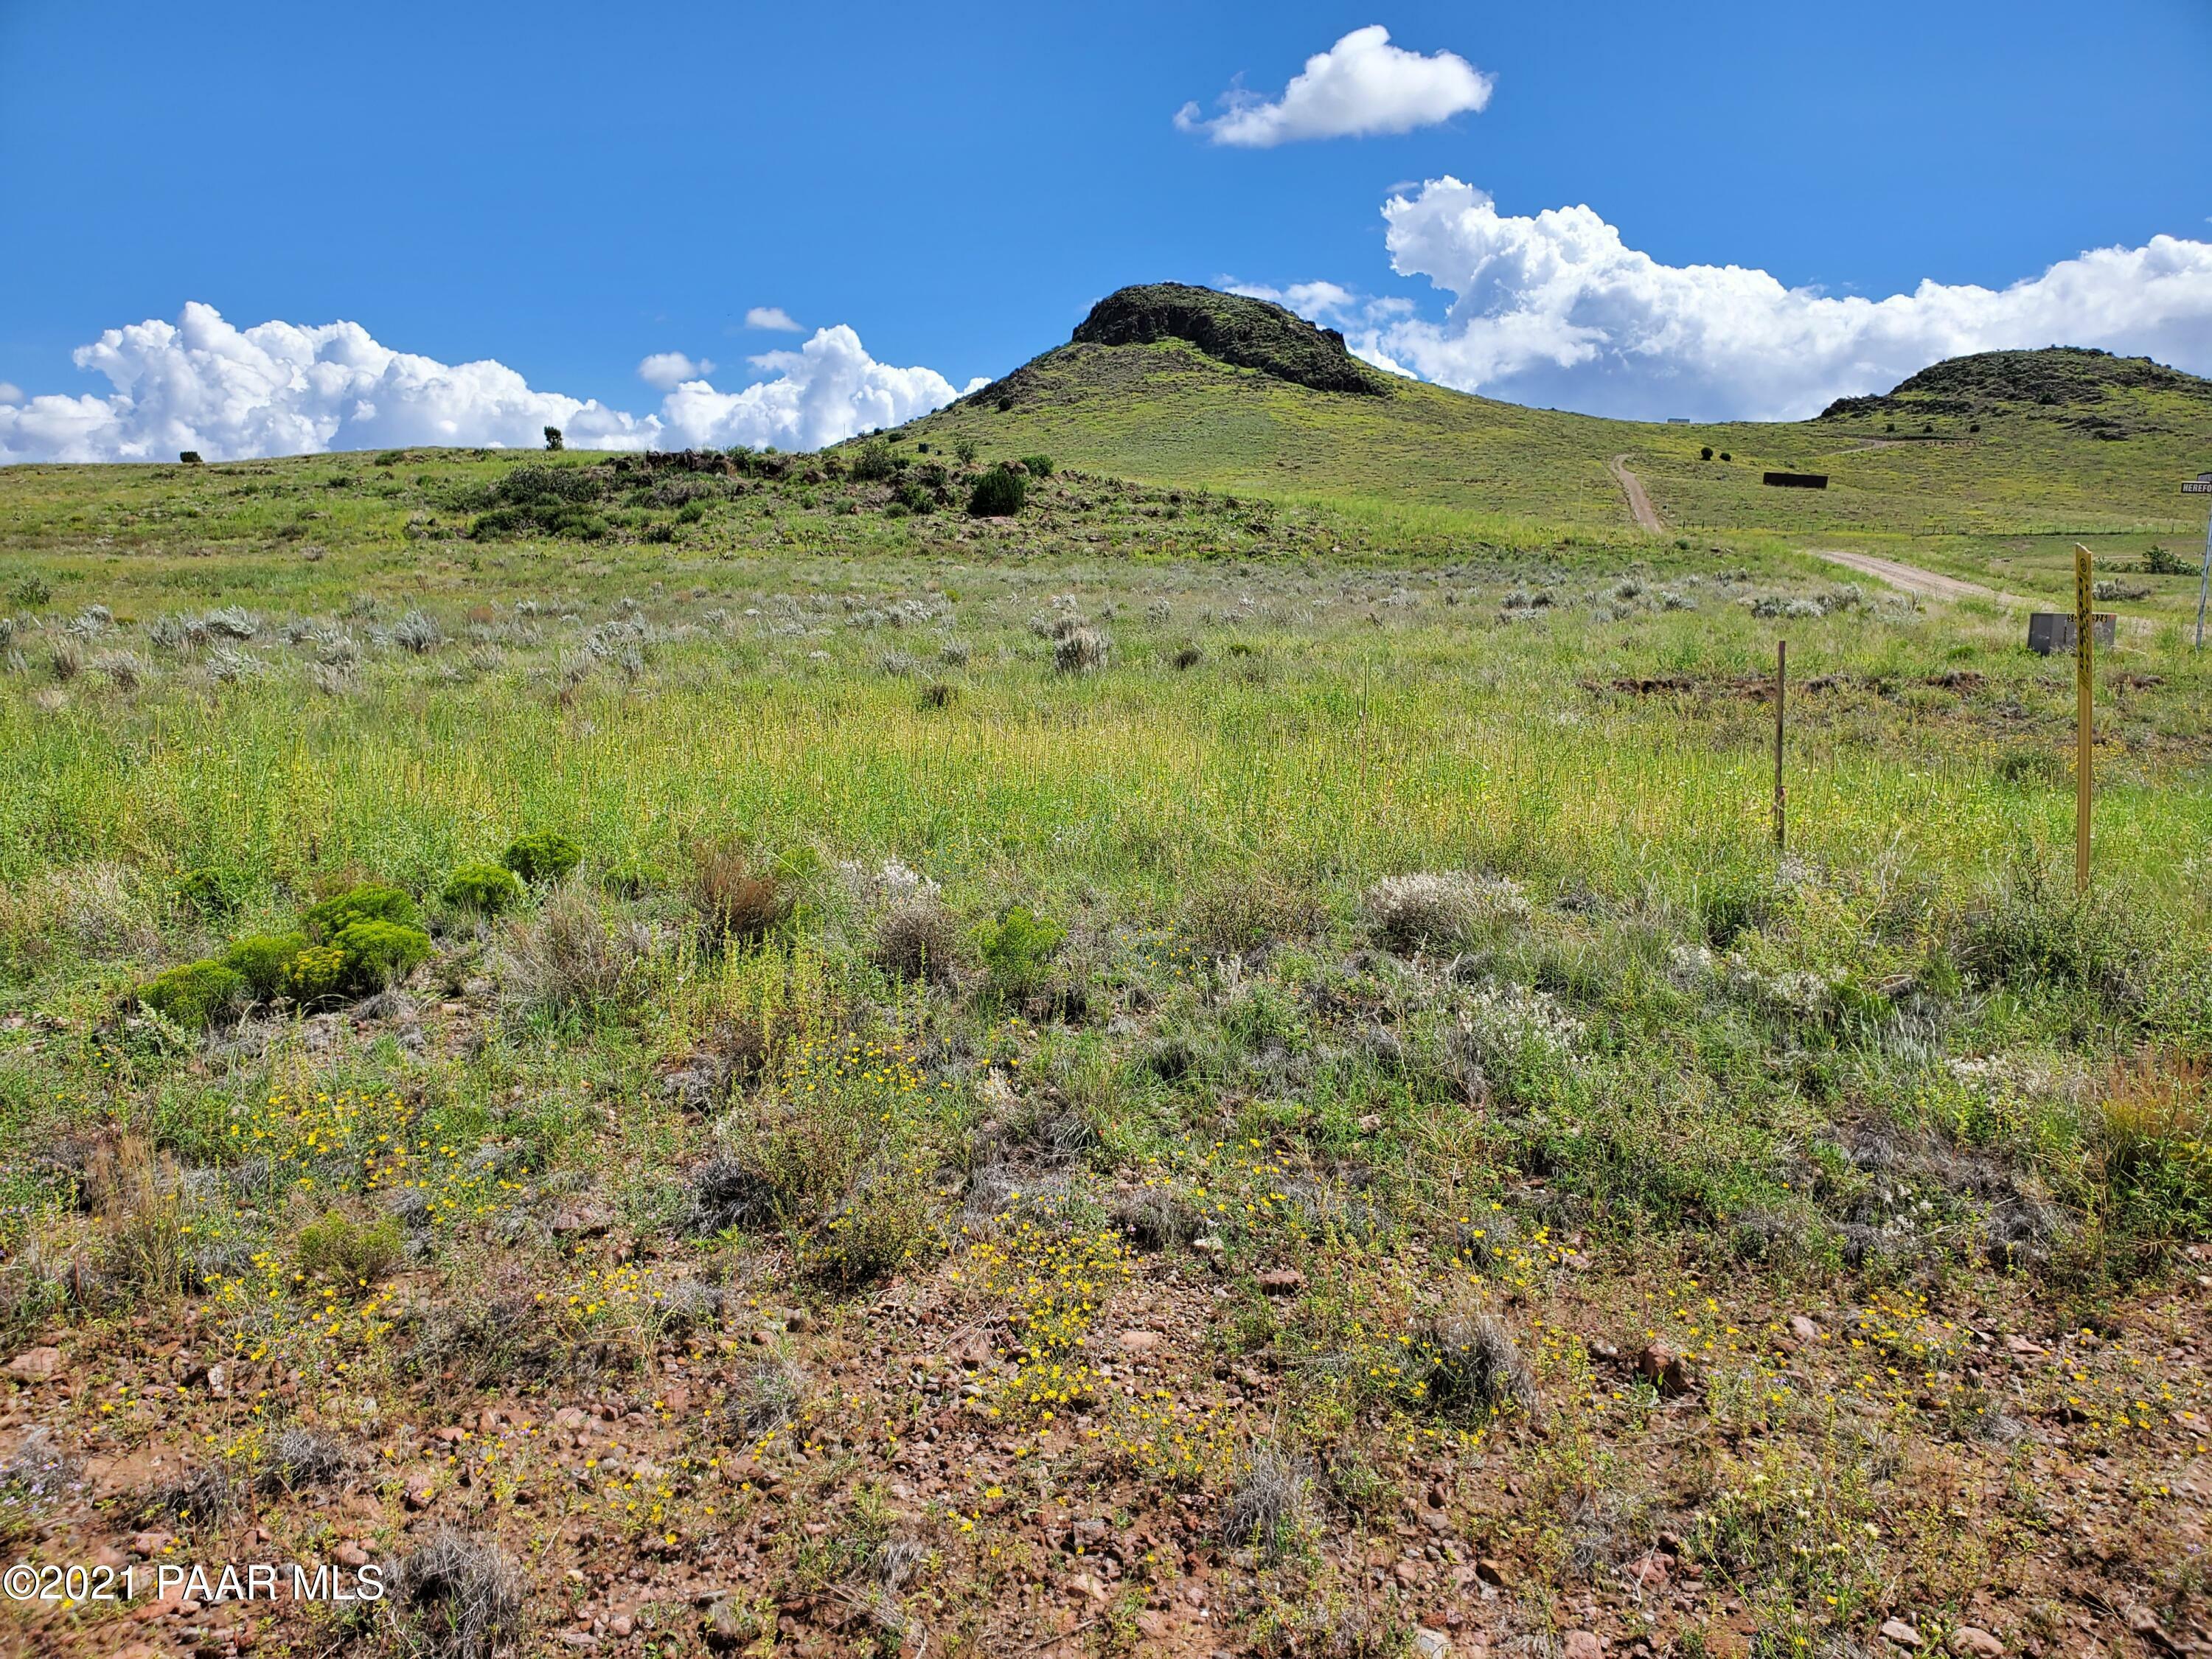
(1016,950)
(380,953)
(581,522)
(341,1251)
(264,962)
(1040,467)
(874,461)
(370,901)
(317,973)
(999,494)
(537,483)
(2027,766)
(2152,1152)
(2035,930)
(195,995)
(541,856)
(212,892)
(964,449)
(479,886)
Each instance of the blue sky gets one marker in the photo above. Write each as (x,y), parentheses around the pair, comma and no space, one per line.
(567,189)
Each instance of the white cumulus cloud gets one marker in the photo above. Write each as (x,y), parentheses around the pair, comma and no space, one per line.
(828,389)
(771,317)
(1557,309)
(10,393)
(1317,303)
(281,389)
(1361,85)
(668,369)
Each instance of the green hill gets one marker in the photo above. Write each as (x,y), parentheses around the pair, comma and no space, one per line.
(1186,386)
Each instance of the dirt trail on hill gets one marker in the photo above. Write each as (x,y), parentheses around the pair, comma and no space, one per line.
(1639,504)
(1913,580)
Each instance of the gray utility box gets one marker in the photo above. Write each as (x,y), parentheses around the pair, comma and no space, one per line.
(2051,632)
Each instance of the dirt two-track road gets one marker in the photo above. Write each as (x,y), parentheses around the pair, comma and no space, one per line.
(1639,504)
(1910,579)
(1913,580)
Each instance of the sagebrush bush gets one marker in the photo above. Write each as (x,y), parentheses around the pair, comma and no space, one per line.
(194,994)
(542,857)
(483,886)
(370,901)
(264,962)
(1424,910)
(1080,650)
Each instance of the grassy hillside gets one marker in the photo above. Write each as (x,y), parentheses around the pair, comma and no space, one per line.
(2101,458)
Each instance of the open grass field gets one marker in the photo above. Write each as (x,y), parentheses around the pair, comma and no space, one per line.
(775,1067)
